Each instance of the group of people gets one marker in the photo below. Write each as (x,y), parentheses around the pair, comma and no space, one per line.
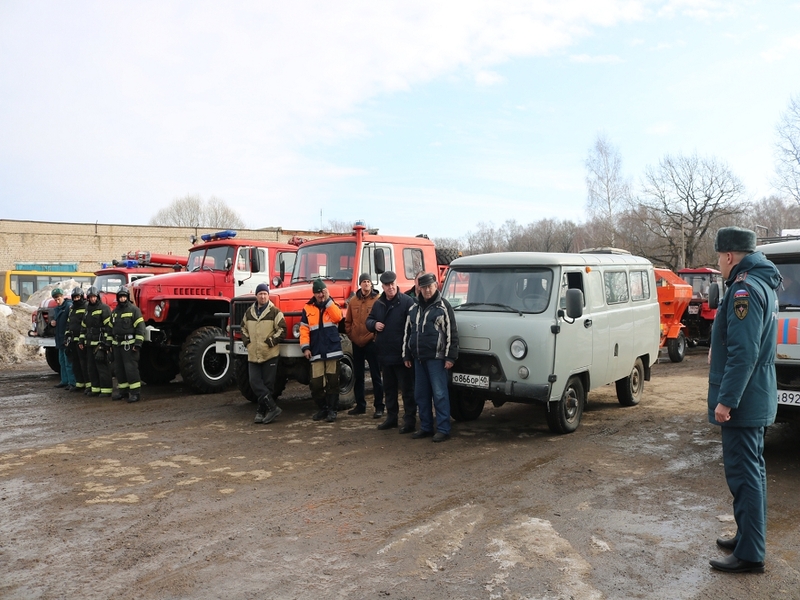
(409,341)
(92,340)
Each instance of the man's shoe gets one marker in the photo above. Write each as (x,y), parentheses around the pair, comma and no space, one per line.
(259,418)
(60,385)
(357,411)
(421,434)
(731,564)
(133,397)
(406,429)
(117,396)
(388,424)
(77,389)
(378,414)
(271,415)
(441,437)
(727,544)
(105,395)
(331,416)
(320,414)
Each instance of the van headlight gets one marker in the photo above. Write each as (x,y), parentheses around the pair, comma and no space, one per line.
(296,330)
(519,348)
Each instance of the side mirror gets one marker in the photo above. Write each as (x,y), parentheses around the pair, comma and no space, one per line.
(713,296)
(255,261)
(574,303)
(380,261)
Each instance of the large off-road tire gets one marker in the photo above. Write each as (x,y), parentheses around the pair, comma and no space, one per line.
(676,347)
(157,366)
(202,368)
(629,389)
(465,406)
(564,416)
(444,256)
(51,356)
(241,372)
(347,394)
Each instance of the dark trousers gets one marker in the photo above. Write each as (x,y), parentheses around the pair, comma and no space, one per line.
(79,366)
(262,379)
(746,473)
(399,377)
(99,370)
(126,368)
(368,353)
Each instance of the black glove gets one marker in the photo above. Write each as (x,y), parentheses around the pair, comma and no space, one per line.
(270,342)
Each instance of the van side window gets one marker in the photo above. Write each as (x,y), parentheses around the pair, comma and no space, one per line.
(616,286)
(571,281)
(640,286)
(413,262)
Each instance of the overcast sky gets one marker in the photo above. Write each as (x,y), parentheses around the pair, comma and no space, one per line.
(415,116)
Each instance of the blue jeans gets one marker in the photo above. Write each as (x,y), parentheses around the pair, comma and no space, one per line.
(430,391)
(67,375)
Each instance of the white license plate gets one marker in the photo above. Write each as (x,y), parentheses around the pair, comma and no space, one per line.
(693,309)
(478,381)
(786,397)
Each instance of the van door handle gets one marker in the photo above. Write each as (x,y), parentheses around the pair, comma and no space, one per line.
(587,323)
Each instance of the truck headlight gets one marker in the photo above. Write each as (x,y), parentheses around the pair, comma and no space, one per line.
(519,348)
(296,330)
(159,309)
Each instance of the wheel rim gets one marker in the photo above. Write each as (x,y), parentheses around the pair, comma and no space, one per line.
(681,344)
(215,366)
(345,374)
(571,404)
(636,381)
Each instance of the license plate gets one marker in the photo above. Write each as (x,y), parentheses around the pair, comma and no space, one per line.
(478,381)
(693,310)
(786,397)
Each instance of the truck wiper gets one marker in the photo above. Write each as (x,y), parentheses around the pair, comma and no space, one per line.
(503,306)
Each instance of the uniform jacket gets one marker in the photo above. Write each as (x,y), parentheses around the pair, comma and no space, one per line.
(743,344)
(261,333)
(355,323)
(392,313)
(96,326)
(431,331)
(319,330)
(127,324)
(61,316)
(75,319)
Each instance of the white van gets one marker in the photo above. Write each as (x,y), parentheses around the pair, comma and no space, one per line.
(546,328)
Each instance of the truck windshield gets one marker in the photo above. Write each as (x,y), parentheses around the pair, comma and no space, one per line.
(789,290)
(336,261)
(110,283)
(210,259)
(508,289)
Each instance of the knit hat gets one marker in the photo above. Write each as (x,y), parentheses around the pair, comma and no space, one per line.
(318,285)
(57,292)
(388,277)
(735,239)
(364,277)
(426,279)
(262,287)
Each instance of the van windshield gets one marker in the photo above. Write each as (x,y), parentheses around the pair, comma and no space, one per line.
(507,289)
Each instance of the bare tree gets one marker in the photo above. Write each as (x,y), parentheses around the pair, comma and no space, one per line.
(191,211)
(771,215)
(608,189)
(681,200)
(787,150)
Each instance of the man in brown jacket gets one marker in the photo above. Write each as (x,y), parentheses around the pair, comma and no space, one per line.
(364,348)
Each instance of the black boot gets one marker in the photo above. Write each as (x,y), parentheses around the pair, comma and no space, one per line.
(333,406)
(274,410)
(133,397)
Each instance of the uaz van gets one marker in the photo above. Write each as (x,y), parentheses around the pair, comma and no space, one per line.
(546,328)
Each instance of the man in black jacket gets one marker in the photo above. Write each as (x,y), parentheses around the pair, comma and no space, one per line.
(387,319)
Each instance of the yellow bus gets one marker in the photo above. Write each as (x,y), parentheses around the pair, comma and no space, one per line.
(18,286)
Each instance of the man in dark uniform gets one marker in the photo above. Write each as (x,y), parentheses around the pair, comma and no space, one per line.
(77,355)
(743,390)
(127,337)
(96,340)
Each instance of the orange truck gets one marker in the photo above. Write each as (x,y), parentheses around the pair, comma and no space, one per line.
(674,295)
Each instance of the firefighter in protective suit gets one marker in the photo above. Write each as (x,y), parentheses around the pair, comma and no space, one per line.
(95,339)
(127,335)
(78,355)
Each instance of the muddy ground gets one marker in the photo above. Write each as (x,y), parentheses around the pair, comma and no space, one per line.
(182,496)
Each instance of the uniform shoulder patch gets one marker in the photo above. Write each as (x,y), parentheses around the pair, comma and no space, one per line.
(741,306)
(741,294)
(741,277)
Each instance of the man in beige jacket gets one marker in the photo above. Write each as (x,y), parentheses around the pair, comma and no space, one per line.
(263,328)
(364,348)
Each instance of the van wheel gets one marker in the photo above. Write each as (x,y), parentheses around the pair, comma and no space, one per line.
(564,416)
(677,348)
(465,407)
(51,355)
(629,389)
(241,371)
